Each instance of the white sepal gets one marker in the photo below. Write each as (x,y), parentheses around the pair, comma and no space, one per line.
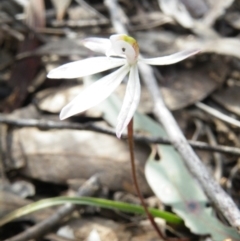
(95,93)
(170,59)
(85,67)
(100,45)
(130,102)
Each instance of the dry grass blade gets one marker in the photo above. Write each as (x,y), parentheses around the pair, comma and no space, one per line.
(35,14)
(61,7)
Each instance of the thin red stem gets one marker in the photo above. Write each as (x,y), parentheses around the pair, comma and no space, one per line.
(134,176)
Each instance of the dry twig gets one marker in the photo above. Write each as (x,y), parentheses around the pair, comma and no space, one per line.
(49,124)
(218,114)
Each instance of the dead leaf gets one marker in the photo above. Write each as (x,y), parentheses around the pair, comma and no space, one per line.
(54,99)
(183,87)
(112,231)
(23,73)
(229,98)
(58,155)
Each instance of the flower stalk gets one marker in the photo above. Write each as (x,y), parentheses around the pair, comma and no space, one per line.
(135,181)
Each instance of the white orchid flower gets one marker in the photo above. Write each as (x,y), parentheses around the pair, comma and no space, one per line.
(122,46)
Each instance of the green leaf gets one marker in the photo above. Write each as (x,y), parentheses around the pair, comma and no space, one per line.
(97,202)
(175,187)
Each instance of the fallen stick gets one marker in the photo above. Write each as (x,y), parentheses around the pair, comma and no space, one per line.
(49,124)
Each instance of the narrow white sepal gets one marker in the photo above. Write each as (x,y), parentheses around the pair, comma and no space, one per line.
(170,59)
(85,67)
(95,93)
(130,102)
(100,45)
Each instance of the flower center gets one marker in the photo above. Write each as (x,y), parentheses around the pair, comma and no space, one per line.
(126,46)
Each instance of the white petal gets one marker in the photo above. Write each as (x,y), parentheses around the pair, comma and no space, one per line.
(100,45)
(95,93)
(130,102)
(171,59)
(85,67)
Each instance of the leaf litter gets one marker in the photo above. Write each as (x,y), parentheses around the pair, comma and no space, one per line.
(33,43)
